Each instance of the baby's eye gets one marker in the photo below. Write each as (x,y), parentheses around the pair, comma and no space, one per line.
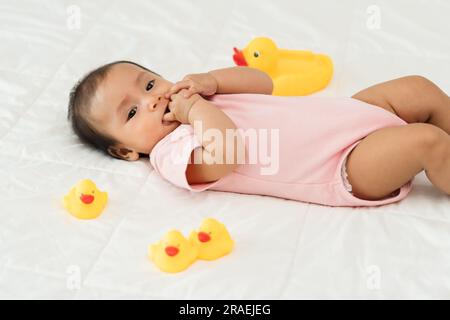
(131,113)
(150,85)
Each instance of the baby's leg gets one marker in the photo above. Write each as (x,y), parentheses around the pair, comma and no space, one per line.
(388,158)
(412,98)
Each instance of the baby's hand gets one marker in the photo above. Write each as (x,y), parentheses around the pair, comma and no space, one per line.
(180,106)
(201,83)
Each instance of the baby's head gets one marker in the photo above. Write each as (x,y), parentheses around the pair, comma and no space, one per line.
(118,108)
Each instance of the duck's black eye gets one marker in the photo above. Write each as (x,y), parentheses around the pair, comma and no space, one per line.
(150,85)
(256,54)
(131,113)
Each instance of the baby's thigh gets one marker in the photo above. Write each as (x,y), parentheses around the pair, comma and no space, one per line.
(387,159)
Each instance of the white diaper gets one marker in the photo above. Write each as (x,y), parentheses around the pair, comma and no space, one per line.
(344,175)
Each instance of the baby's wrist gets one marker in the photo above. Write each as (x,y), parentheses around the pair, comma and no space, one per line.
(196,98)
(216,83)
(192,109)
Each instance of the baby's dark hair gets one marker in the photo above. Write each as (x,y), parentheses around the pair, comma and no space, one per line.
(80,100)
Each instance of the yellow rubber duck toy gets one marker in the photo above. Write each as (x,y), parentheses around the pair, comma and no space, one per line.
(174,253)
(85,201)
(212,239)
(293,72)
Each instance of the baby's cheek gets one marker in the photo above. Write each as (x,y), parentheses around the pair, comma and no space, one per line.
(148,142)
(146,131)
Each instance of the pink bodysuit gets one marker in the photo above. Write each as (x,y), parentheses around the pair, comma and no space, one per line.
(303,144)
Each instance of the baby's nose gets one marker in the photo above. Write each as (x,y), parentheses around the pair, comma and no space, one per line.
(152,104)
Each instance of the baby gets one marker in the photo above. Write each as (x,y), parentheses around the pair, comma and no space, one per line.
(201,133)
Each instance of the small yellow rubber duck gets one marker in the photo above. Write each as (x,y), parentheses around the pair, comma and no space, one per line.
(212,239)
(174,253)
(85,201)
(293,72)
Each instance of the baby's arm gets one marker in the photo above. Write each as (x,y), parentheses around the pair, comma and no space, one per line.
(228,80)
(242,80)
(208,163)
(212,167)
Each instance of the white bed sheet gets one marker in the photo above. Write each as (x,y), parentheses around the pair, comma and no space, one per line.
(284,249)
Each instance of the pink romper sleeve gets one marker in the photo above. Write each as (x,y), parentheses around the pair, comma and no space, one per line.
(171,155)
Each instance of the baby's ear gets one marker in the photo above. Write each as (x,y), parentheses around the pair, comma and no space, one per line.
(123,153)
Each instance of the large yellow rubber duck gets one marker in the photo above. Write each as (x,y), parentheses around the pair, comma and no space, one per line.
(212,239)
(85,201)
(293,72)
(174,253)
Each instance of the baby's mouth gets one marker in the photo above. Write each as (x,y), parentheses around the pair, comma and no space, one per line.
(164,122)
(167,110)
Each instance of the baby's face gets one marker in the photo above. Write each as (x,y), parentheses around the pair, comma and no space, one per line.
(129,106)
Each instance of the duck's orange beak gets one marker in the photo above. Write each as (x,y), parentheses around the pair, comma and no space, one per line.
(171,251)
(238,57)
(203,237)
(86,198)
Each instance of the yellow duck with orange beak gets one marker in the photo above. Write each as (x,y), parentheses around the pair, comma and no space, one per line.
(173,253)
(293,72)
(85,201)
(212,239)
